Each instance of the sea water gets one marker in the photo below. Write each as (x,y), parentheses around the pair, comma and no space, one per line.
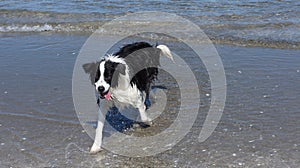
(253,22)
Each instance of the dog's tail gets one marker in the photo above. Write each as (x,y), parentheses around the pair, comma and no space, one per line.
(165,51)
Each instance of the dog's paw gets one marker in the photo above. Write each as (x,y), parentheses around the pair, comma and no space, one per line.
(95,149)
(148,123)
(144,124)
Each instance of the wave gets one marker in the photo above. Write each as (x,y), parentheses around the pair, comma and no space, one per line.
(276,35)
(28,28)
(235,37)
(50,27)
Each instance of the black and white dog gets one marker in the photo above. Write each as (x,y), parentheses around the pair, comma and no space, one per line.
(125,78)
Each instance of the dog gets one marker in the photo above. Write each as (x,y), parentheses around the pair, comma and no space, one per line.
(125,77)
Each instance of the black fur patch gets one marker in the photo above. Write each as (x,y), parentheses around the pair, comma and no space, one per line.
(93,70)
(142,60)
(112,70)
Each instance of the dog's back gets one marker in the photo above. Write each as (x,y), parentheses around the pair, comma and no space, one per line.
(142,60)
(130,48)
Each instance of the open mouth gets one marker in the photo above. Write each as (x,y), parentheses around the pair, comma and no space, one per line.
(105,95)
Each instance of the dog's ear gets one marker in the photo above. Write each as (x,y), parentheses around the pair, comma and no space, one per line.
(91,69)
(121,68)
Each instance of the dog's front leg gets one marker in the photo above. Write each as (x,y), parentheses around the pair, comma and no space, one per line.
(98,137)
(105,106)
(145,119)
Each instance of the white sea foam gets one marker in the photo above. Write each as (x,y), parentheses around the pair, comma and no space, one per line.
(28,28)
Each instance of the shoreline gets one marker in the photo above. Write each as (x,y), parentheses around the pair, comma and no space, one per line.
(234,41)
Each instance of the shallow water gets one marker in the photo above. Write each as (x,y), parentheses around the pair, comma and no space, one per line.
(254,22)
(39,127)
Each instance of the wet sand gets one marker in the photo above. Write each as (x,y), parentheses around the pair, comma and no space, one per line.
(39,126)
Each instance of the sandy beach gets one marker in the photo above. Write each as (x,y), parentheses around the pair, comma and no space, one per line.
(39,126)
(47,103)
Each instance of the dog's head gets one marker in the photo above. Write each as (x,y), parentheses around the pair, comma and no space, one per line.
(105,74)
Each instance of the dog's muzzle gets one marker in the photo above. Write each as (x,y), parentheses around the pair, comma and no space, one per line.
(104,95)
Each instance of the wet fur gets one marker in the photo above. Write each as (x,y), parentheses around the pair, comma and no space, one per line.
(130,73)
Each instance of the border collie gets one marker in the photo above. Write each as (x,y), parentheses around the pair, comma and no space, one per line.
(125,78)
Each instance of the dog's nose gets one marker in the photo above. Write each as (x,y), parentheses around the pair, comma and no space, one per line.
(101,89)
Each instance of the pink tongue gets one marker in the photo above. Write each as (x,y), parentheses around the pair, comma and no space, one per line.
(108,96)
